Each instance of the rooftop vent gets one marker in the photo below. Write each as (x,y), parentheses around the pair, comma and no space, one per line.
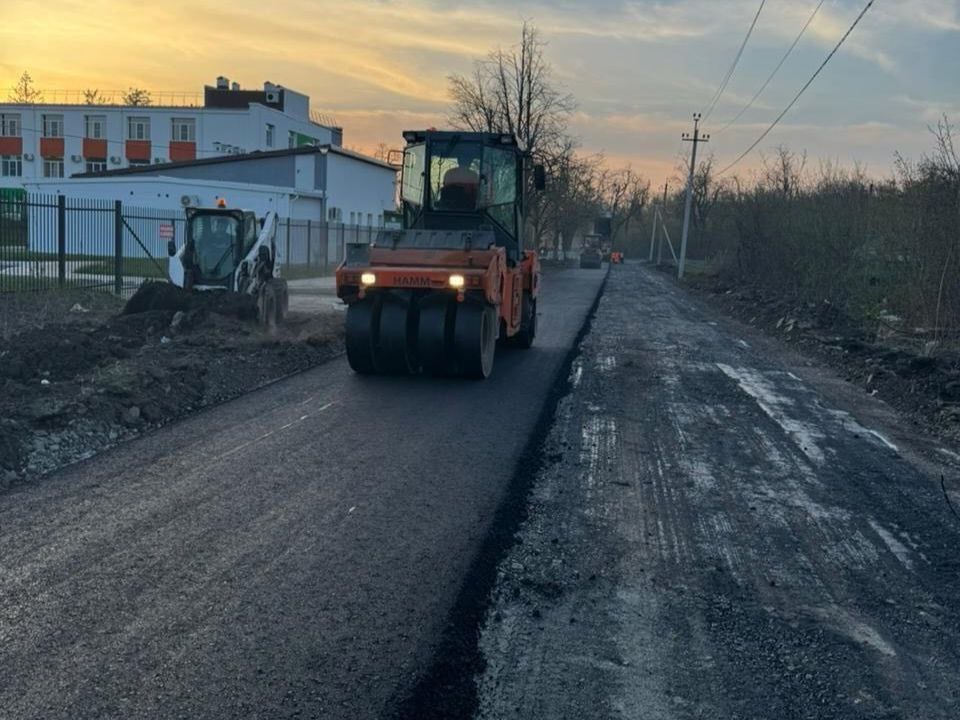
(223,83)
(235,86)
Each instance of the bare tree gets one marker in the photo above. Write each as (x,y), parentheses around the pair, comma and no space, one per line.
(137,97)
(93,97)
(513,91)
(24,92)
(623,194)
(784,172)
(572,199)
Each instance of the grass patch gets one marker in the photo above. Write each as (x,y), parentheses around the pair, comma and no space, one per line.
(21,253)
(28,284)
(137,267)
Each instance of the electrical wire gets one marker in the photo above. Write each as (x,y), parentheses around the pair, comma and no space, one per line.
(802,91)
(733,66)
(763,87)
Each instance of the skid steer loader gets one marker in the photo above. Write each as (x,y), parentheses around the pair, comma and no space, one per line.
(437,295)
(229,249)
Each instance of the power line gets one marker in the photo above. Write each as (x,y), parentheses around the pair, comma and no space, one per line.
(777,68)
(802,90)
(733,66)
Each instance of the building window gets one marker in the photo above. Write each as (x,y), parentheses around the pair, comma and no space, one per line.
(138,128)
(53,168)
(184,130)
(95,127)
(11,166)
(370,219)
(95,166)
(53,126)
(270,132)
(9,125)
(353,217)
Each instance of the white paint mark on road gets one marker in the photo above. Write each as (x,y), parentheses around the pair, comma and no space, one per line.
(606,363)
(774,405)
(350,511)
(853,426)
(899,550)
(882,439)
(857,630)
(270,433)
(576,374)
(744,343)
(949,453)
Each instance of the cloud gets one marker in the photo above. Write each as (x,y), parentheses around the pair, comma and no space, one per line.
(638,68)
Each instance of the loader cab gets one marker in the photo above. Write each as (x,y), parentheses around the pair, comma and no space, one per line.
(463,181)
(217,240)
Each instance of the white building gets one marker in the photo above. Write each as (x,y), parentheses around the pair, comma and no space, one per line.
(60,140)
(317,183)
(325,195)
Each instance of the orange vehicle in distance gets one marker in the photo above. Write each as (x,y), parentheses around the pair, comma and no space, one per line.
(437,295)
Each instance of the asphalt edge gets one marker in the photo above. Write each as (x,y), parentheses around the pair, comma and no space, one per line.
(448,690)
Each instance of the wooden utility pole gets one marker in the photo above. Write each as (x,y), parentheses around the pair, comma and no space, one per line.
(658,215)
(696,139)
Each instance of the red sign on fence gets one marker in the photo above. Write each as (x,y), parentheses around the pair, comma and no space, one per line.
(166,232)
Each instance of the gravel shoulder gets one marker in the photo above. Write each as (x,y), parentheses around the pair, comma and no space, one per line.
(79,376)
(906,369)
(724,529)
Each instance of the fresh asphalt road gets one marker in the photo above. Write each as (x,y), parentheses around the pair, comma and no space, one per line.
(293,553)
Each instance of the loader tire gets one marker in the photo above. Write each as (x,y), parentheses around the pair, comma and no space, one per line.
(268,305)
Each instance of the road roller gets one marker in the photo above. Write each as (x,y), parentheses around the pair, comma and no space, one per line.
(439,294)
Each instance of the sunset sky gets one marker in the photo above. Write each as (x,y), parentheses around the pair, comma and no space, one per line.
(638,69)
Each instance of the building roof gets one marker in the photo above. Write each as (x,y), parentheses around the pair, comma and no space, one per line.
(245,157)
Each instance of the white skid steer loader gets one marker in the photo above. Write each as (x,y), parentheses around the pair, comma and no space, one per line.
(229,249)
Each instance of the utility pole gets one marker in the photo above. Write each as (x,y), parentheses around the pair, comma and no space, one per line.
(696,139)
(658,214)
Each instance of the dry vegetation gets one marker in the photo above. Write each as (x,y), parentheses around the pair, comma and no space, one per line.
(883,252)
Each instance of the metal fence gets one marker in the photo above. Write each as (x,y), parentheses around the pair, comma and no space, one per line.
(49,242)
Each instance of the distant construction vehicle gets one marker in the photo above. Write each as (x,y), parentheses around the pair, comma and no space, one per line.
(437,294)
(591,253)
(230,249)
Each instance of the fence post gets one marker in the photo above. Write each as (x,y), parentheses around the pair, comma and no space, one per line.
(61,240)
(118,247)
(286,258)
(325,246)
(308,242)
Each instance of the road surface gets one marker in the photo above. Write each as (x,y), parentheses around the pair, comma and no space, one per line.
(294,553)
(725,531)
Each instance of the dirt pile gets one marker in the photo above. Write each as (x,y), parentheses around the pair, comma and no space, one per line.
(78,384)
(912,374)
(163,296)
